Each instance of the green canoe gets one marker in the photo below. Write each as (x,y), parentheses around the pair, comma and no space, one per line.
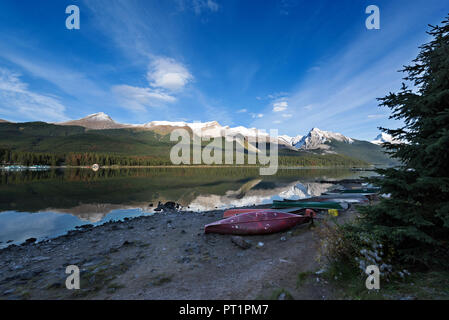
(312,205)
(364,190)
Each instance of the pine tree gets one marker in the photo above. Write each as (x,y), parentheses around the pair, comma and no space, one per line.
(415,219)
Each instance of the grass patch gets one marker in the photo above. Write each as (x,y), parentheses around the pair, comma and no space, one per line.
(350,284)
(281,294)
(302,277)
(161,279)
(100,276)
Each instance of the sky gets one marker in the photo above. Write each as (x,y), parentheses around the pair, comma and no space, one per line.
(289,65)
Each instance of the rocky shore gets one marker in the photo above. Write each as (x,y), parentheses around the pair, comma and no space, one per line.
(164,256)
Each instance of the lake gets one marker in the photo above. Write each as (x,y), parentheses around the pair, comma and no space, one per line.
(46,204)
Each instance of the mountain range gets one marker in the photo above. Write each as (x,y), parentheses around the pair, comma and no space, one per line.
(316,141)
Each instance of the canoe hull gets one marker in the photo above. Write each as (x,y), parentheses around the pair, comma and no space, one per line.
(258,222)
(234,212)
(311,205)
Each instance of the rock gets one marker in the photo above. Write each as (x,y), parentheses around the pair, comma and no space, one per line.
(93,262)
(55,285)
(40,258)
(17,267)
(8,292)
(127,243)
(85,226)
(283,239)
(183,231)
(240,242)
(30,240)
(184,259)
(9,241)
(170,205)
(260,244)
(282,296)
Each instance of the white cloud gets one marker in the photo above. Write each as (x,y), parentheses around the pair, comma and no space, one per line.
(165,76)
(168,74)
(242,111)
(17,101)
(287,115)
(137,99)
(280,106)
(256,115)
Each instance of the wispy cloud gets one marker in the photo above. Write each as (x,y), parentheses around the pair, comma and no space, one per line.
(137,99)
(242,111)
(341,94)
(198,6)
(257,115)
(280,106)
(18,102)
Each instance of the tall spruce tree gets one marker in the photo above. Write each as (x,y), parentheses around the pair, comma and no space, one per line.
(414,221)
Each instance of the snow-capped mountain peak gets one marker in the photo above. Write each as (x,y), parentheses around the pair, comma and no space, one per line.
(95,121)
(383,138)
(290,140)
(317,138)
(100,116)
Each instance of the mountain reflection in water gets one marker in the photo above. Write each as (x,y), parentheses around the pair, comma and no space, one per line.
(96,197)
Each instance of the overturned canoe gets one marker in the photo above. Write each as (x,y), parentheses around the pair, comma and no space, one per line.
(336,197)
(257,222)
(311,205)
(235,212)
(358,191)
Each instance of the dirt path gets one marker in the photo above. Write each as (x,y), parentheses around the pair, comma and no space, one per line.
(165,256)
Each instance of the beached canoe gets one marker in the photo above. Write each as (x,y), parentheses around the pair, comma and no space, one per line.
(358,191)
(235,212)
(311,205)
(351,198)
(258,222)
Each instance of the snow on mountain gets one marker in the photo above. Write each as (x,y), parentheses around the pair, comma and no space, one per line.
(384,137)
(100,116)
(210,129)
(317,138)
(290,140)
(96,121)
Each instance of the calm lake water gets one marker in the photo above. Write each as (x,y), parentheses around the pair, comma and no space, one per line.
(50,203)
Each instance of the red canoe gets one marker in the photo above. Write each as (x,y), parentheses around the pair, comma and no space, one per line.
(256,222)
(234,212)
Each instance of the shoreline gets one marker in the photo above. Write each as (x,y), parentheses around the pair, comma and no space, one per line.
(371,168)
(163,256)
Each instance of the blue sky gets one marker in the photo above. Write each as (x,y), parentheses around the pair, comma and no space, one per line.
(290,64)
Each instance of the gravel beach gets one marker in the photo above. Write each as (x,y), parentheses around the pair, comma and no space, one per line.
(164,256)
